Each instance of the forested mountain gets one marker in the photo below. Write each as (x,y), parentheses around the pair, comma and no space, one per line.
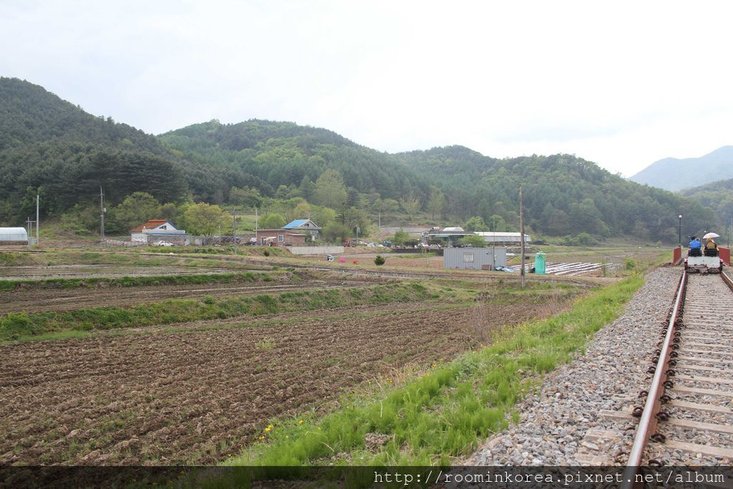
(50,146)
(677,174)
(717,196)
(562,194)
(284,158)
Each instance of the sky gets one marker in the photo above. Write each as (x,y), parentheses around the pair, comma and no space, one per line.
(620,83)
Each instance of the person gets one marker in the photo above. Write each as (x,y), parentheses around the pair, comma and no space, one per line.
(711,248)
(695,247)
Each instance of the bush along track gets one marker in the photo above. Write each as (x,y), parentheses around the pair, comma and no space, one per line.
(44,325)
(444,413)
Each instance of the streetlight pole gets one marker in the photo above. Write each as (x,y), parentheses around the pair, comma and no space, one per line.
(679,230)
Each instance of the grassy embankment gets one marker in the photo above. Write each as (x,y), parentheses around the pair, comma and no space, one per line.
(63,324)
(138,281)
(206,257)
(443,414)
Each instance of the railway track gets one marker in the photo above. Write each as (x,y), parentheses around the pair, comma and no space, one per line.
(687,418)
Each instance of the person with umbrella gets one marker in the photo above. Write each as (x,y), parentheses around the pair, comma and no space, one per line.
(711,247)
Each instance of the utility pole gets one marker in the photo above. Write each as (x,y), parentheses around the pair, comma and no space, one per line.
(256,224)
(101,214)
(29,224)
(38,229)
(521,231)
(493,248)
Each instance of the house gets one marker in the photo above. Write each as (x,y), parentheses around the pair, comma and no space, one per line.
(304,226)
(280,237)
(159,231)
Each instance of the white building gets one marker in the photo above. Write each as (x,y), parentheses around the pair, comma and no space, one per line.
(508,239)
(13,236)
(157,231)
(474,258)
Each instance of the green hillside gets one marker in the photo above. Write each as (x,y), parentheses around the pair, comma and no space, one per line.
(50,146)
(717,196)
(284,158)
(563,195)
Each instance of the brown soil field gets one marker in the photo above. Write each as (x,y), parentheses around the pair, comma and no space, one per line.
(39,300)
(35,272)
(203,391)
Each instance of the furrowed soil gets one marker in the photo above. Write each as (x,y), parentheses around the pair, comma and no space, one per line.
(38,299)
(205,391)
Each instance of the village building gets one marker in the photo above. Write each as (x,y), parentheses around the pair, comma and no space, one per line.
(452,235)
(157,232)
(280,237)
(508,239)
(294,233)
(305,226)
(474,258)
(13,236)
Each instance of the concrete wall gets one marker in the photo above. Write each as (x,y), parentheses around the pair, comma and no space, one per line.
(316,250)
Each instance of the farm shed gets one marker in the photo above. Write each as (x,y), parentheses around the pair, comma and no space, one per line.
(13,236)
(474,258)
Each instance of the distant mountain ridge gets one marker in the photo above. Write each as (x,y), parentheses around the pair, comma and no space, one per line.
(675,174)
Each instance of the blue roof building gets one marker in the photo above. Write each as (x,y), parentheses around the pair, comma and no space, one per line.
(302,224)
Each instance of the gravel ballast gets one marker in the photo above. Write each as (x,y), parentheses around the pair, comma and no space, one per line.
(570,421)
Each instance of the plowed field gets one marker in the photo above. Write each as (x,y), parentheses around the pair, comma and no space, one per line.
(205,391)
(39,300)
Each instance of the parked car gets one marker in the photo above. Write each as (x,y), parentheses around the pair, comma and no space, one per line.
(163,243)
(501,268)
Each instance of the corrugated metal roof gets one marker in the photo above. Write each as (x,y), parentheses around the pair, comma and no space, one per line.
(299,223)
(295,224)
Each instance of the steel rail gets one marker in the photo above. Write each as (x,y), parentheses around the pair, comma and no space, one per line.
(648,421)
(728,281)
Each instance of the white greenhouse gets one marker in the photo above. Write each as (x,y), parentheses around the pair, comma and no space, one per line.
(13,236)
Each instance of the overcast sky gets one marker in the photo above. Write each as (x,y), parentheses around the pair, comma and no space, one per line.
(621,83)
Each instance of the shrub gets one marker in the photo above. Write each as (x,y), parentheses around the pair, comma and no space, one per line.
(379,260)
